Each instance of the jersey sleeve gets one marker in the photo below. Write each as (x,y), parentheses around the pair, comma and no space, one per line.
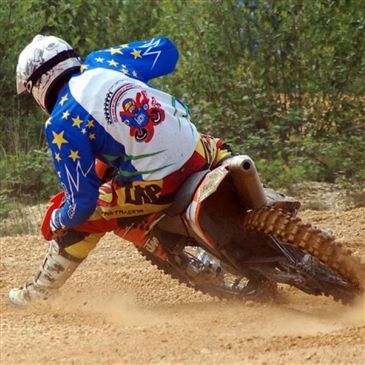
(75,165)
(144,60)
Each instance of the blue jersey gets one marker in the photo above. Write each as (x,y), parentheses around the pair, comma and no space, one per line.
(110,112)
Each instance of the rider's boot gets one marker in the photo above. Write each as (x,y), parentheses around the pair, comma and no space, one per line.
(53,273)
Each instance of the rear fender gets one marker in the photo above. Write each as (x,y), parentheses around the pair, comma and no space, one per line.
(207,187)
(244,178)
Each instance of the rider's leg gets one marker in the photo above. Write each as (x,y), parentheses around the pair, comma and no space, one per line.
(120,207)
(62,258)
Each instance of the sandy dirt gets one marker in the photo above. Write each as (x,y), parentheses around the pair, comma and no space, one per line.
(118,309)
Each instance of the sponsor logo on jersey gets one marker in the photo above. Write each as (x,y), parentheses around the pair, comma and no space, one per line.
(131,105)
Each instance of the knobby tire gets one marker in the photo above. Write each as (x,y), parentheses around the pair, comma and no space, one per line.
(309,239)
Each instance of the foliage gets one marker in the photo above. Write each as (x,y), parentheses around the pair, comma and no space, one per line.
(280,80)
(26,175)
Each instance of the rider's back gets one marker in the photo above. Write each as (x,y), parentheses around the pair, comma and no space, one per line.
(143,131)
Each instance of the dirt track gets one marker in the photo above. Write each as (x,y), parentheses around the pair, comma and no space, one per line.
(117,309)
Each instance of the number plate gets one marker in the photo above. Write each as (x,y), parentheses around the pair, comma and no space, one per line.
(212,182)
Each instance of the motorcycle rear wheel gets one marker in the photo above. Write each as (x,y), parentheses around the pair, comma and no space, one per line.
(338,273)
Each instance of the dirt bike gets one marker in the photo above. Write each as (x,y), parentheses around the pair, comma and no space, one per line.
(228,236)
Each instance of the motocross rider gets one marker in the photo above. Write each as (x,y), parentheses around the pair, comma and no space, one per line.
(104,108)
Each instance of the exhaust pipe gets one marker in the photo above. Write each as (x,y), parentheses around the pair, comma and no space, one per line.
(247,181)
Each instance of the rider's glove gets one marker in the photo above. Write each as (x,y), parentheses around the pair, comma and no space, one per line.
(55,222)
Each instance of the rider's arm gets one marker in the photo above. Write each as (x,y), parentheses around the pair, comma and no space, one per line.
(144,60)
(75,165)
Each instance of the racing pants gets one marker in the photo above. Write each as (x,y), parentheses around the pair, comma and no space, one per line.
(129,208)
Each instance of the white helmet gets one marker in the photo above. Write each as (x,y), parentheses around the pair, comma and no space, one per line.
(41,64)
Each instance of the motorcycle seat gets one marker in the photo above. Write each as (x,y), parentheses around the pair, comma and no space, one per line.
(185,194)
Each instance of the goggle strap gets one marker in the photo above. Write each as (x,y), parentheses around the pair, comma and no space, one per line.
(45,67)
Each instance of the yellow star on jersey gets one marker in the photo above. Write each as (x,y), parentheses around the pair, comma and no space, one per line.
(90,124)
(76,122)
(99,59)
(57,157)
(65,114)
(63,99)
(136,54)
(113,63)
(58,139)
(84,67)
(123,46)
(134,73)
(125,71)
(48,122)
(83,130)
(74,155)
(92,135)
(115,50)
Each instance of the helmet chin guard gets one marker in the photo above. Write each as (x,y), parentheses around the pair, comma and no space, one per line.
(41,64)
